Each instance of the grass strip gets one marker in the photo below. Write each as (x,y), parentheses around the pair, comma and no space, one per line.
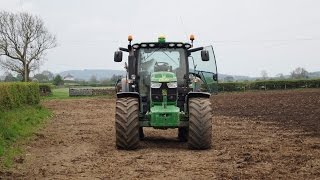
(16,126)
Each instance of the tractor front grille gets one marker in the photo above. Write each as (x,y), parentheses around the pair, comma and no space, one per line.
(157,93)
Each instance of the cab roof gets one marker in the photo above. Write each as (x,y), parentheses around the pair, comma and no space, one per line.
(161,45)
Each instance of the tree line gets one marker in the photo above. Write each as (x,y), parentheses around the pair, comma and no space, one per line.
(297,73)
(58,80)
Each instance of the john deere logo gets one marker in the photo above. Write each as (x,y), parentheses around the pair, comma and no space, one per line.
(164,79)
(164,92)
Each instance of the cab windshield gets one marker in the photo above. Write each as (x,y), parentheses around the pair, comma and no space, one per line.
(160,59)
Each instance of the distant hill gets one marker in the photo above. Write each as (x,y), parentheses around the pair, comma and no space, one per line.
(100,74)
(86,74)
(315,74)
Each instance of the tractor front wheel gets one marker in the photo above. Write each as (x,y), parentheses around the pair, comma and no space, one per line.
(127,123)
(200,123)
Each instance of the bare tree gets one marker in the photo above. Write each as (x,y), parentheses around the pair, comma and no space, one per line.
(264,74)
(93,79)
(299,73)
(24,41)
(280,76)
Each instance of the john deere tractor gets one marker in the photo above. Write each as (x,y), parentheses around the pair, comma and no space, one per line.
(168,85)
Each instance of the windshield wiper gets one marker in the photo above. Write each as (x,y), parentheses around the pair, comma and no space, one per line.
(151,54)
(170,58)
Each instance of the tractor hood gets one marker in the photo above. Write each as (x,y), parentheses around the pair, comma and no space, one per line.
(163,76)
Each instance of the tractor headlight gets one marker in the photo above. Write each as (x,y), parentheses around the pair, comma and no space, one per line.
(172,85)
(133,77)
(155,85)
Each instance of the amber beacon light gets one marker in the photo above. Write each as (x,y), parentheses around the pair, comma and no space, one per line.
(130,38)
(191,39)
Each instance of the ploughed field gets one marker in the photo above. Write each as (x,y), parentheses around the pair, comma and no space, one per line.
(269,134)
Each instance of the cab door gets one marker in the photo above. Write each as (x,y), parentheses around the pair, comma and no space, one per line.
(206,70)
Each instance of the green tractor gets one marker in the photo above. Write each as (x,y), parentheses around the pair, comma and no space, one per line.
(168,85)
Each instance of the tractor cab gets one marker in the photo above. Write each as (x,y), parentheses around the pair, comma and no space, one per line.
(186,62)
(163,77)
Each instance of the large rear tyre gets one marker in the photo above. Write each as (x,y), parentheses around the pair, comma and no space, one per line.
(200,123)
(127,123)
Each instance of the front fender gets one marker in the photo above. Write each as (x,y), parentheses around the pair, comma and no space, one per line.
(128,94)
(197,94)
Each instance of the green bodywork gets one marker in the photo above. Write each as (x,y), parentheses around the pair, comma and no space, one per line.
(163,77)
(164,114)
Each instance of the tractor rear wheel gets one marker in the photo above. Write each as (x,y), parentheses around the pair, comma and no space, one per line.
(200,123)
(127,123)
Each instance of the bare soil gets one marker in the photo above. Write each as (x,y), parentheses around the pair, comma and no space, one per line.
(256,135)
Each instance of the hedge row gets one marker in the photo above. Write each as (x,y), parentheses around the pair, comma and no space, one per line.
(270,84)
(15,94)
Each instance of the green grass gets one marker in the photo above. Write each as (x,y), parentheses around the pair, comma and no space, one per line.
(63,93)
(60,93)
(16,126)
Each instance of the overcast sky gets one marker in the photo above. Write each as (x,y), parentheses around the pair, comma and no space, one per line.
(248,35)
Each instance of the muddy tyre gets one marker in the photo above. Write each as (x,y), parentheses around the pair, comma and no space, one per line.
(127,123)
(200,123)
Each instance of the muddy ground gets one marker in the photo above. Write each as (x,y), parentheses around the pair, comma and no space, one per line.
(256,135)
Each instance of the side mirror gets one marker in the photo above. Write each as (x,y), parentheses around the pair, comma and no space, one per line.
(215,77)
(118,56)
(205,55)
